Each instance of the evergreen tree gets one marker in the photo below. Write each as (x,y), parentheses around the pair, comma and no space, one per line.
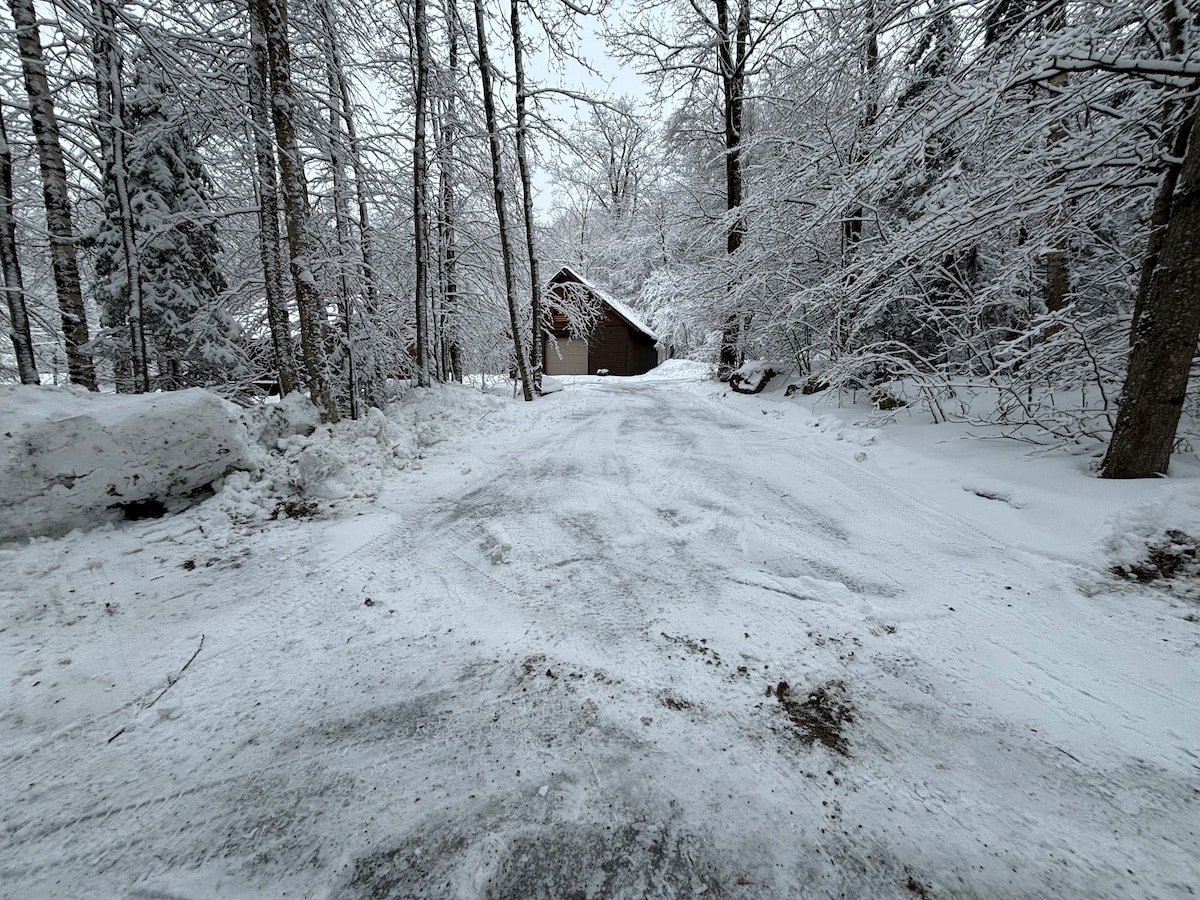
(191,336)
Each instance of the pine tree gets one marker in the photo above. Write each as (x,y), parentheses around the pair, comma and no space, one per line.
(192,339)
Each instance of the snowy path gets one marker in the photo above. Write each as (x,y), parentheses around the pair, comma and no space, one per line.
(554,671)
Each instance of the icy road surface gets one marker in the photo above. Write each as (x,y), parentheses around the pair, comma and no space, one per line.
(638,641)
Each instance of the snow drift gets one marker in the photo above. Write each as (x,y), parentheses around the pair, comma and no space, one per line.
(70,458)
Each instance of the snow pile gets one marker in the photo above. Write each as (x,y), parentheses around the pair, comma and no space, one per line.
(678,370)
(71,458)
(1131,530)
(310,463)
(752,376)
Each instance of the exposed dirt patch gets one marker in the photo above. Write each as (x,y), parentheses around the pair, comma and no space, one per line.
(698,647)
(671,701)
(918,888)
(566,861)
(1172,564)
(537,667)
(820,715)
(295,509)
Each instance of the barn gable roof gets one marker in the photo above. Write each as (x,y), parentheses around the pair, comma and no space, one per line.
(566,275)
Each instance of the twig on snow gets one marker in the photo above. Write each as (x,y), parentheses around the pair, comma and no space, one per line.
(171,681)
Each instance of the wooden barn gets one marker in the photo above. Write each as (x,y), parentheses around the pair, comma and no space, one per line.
(618,344)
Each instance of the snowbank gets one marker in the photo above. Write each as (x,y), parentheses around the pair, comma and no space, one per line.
(71,458)
(307,465)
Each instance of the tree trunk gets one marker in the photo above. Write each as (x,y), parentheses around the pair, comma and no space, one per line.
(296,209)
(10,265)
(421,189)
(110,91)
(1058,273)
(852,225)
(338,164)
(510,284)
(267,192)
(535,278)
(57,199)
(365,236)
(447,216)
(731,59)
(1174,149)
(1164,342)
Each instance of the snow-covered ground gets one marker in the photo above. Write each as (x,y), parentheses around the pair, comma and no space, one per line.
(642,638)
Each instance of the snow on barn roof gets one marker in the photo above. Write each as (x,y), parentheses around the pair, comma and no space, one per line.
(566,275)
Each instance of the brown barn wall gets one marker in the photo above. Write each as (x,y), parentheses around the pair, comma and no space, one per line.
(608,348)
(643,355)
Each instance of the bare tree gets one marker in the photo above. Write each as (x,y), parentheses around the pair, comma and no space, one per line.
(297,211)
(446,136)
(421,187)
(266,189)
(10,266)
(535,278)
(55,193)
(493,130)
(1165,336)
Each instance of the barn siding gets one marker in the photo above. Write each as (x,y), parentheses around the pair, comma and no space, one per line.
(608,349)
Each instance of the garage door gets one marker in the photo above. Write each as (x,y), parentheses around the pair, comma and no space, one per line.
(574,359)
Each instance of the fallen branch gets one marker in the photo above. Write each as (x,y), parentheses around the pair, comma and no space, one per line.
(171,681)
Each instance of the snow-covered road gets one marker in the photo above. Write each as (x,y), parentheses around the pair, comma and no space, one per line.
(639,641)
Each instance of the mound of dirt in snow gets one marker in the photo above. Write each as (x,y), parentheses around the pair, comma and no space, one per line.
(71,458)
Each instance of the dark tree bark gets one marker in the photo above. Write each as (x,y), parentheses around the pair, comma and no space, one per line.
(10,265)
(297,211)
(1175,145)
(54,190)
(421,188)
(852,225)
(732,49)
(1165,336)
(448,202)
(535,278)
(510,283)
(267,192)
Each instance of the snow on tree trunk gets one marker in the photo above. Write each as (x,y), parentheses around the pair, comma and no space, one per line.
(447,202)
(70,459)
(54,189)
(421,190)
(10,266)
(113,131)
(1058,273)
(296,208)
(506,253)
(267,193)
(1164,343)
(732,49)
(535,278)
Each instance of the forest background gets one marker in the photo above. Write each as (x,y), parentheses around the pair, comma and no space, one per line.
(989,209)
